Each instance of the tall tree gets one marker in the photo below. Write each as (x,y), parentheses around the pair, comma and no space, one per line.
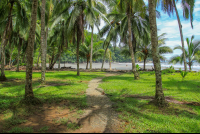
(191,53)
(188,7)
(5,38)
(129,6)
(43,42)
(29,96)
(159,95)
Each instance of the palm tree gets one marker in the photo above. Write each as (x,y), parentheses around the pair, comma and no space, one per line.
(78,11)
(159,95)
(29,96)
(6,35)
(19,21)
(145,49)
(112,32)
(191,53)
(85,49)
(43,45)
(129,6)
(188,7)
(109,56)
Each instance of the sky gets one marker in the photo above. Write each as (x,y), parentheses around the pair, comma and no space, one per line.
(169,25)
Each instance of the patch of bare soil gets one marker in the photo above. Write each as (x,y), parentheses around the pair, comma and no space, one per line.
(167,98)
(57,117)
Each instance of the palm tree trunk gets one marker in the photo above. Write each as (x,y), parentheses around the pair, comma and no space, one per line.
(79,36)
(43,42)
(5,38)
(38,58)
(110,64)
(10,61)
(91,49)
(87,63)
(104,57)
(181,34)
(136,74)
(59,63)
(19,46)
(159,95)
(29,96)
(77,52)
(144,63)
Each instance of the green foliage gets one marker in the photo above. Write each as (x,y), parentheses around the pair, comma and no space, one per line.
(138,67)
(183,73)
(63,85)
(21,130)
(72,126)
(45,128)
(168,70)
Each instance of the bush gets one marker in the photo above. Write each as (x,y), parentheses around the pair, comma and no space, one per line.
(168,70)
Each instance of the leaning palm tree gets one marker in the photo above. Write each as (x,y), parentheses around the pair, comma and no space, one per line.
(12,13)
(191,53)
(188,7)
(159,95)
(112,32)
(6,34)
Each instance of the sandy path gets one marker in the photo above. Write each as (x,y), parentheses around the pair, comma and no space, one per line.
(100,117)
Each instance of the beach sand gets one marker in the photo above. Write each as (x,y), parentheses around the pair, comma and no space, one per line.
(114,66)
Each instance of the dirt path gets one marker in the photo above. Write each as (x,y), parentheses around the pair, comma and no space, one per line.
(100,117)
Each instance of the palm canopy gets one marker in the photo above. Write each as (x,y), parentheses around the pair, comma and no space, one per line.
(191,53)
(144,49)
(187,5)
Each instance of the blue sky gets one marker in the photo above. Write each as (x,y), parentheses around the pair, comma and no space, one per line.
(169,25)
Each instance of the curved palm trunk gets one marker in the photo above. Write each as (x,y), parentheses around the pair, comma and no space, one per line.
(159,96)
(91,50)
(18,55)
(181,34)
(29,96)
(43,43)
(5,38)
(104,57)
(136,74)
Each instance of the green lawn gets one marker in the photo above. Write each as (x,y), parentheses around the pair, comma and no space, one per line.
(71,87)
(141,116)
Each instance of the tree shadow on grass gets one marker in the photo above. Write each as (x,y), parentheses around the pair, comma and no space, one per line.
(37,116)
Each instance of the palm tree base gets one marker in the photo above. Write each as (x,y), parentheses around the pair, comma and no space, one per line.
(3,78)
(136,75)
(31,101)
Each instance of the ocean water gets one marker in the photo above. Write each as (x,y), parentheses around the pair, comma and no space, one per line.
(195,67)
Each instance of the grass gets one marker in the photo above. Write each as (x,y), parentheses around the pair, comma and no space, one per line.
(43,129)
(60,86)
(66,86)
(142,116)
(21,130)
